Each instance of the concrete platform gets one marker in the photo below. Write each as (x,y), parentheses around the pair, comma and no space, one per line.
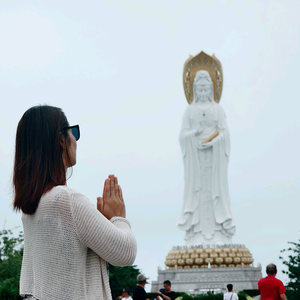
(197,281)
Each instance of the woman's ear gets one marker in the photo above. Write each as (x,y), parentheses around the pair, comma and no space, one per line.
(62,141)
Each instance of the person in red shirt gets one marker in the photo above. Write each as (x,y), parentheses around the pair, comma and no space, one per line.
(270,287)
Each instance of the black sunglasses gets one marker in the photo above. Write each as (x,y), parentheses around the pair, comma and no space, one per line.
(75,131)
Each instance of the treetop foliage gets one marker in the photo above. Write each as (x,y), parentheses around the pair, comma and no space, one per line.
(11,253)
(121,277)
(293,272)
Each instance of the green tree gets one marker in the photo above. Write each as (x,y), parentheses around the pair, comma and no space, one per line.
(293,264)
(11,253)
(120,277)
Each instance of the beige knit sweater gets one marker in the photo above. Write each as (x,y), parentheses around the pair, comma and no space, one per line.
(67,244)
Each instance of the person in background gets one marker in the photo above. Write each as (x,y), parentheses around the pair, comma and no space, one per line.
(166,293)
(270,287)
(230,295)
(126,294)
(139,290)
(67,241)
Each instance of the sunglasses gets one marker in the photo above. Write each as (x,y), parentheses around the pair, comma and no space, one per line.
(75,131)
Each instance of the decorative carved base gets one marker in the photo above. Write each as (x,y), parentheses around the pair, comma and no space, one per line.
(197,269)
(220,257)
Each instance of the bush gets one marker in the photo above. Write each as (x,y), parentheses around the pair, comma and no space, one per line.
(252,293)
(11,253)
(203,297)
(120,277)
(242,296)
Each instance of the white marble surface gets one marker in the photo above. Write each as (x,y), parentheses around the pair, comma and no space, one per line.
(195,281)
(206,215)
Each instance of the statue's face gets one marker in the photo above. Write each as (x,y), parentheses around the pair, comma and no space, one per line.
(203,92)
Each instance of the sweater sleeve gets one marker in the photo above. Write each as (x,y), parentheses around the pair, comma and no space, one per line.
(112,240)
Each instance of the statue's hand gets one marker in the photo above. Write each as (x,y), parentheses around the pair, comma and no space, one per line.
(206,145)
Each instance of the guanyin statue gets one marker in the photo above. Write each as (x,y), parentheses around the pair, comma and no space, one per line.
(204,138)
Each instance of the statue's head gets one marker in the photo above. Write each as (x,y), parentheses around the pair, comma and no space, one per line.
(203,88)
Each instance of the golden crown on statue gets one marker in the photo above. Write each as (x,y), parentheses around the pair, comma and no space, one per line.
(202,61)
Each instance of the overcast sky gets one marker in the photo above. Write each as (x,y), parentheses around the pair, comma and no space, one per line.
(115,68)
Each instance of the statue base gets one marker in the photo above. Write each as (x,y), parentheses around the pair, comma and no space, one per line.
(197,269)
(198,281)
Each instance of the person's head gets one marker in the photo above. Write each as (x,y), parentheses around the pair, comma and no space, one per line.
(45,148)
(271,269)
(229,287)
(125,292)
(167,286)
(141,279)
(202,87)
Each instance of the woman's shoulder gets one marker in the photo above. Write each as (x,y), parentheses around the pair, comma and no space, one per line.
(65,192)
(63,198)
(61,189)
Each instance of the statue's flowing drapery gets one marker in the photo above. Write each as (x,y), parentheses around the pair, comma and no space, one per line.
(206,202)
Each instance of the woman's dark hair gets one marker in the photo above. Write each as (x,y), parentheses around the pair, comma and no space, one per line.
(38,163)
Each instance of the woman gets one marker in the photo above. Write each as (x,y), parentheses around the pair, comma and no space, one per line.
(67,241)
(206,216)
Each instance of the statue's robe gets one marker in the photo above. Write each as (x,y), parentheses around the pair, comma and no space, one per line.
(190,220)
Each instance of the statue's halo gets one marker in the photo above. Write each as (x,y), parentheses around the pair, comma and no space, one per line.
(202,61)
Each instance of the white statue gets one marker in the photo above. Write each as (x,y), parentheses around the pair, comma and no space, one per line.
(206,216)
